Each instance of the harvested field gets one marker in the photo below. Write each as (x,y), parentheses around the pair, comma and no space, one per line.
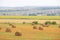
(26,29)
(28,33)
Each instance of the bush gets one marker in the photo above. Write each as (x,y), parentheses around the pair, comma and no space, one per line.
(47,22)
(53,23)
(18,34)
(8,30)
(35,22)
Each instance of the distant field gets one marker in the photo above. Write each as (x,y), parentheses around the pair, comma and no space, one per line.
(31,17)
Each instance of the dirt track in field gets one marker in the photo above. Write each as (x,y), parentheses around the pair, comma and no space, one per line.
(25,20)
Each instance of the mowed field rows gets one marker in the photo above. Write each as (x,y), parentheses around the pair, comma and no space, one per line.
(28,33)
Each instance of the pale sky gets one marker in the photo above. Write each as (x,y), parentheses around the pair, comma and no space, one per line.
(20,3)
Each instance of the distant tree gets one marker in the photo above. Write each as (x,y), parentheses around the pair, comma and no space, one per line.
(34,22)
(54,22)
(47,22)
(4,14)
(32,14)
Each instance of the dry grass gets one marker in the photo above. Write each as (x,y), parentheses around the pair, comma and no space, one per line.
(28,33)
(24,20)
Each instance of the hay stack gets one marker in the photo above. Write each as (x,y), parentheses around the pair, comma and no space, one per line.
(59,26)
(12,25)
(0,28)
(34,27)
(8,30)
(40,28)
(18,34)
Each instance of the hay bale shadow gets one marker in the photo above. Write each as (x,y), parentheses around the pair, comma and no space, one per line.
(45,25)
(42,25)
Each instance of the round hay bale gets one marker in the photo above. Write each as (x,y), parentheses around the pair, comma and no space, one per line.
(40,28)
(13,26)
(0,28)
(34,27)
(59,26)
(10,24)
(18,34)
(8,30)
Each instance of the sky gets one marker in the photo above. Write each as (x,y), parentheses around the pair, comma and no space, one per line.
(21,3)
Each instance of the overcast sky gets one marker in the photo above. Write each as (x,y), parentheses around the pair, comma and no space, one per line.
(20,3)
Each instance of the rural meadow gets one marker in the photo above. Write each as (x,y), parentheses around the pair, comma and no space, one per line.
(29,27)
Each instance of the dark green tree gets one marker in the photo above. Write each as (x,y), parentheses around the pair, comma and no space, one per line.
(53,23)
(47,22)
(35,22)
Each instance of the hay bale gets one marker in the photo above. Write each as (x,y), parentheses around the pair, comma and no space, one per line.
(40,28)
(0,28)
(34,27)
(18,34)
(10,24)
(59,26)
(8,30)
(13,26)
